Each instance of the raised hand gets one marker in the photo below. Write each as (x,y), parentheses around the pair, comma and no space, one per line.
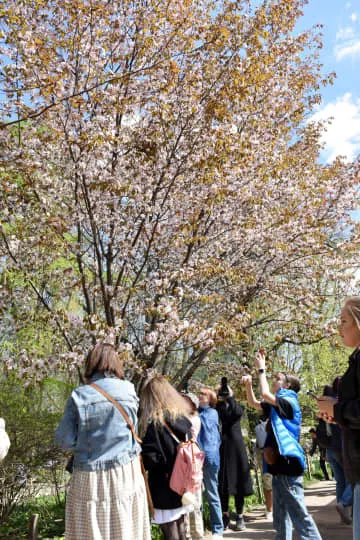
(260,359)
(246,380)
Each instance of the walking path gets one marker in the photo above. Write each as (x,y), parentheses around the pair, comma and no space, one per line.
(320,501)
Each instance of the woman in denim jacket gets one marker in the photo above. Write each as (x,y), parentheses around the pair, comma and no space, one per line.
(107,495)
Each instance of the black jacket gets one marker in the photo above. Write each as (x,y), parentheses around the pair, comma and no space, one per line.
(347,414)
(324,434)
(315,446)
(234,474)
(159,453)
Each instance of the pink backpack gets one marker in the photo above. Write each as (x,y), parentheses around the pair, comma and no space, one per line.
(187,474)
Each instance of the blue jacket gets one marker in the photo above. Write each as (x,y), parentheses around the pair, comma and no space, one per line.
(209,437)
(95,430)
(287,432)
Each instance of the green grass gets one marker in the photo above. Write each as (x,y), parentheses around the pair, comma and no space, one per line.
(316,473)
(51,519)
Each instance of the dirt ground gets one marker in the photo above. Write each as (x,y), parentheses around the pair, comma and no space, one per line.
(320,501)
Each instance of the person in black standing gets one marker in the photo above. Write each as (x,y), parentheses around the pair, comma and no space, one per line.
(322,451)
(234,474)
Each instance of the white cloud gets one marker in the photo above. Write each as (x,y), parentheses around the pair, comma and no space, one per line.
(346,33)
(347,41)
(347,49)
(342,136)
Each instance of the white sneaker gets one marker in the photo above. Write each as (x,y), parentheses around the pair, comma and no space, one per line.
(344,512)
(216,536)
(269,516)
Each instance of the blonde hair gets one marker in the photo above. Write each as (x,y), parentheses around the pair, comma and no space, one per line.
(352,305)
(161,402)
(211,394)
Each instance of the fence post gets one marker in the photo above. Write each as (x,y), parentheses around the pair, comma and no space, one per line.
(33,527)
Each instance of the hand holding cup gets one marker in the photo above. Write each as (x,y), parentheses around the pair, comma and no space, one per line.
(326,408)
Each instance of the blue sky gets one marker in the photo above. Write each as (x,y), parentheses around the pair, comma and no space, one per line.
(341,53)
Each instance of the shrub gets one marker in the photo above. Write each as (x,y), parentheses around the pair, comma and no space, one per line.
(34,463)
(51,512)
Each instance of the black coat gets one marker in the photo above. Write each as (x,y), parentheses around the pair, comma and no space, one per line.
(315,445)
(159,453)
(347,414)
(234,474)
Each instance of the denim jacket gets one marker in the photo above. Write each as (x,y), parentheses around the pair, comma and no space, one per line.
(95,429)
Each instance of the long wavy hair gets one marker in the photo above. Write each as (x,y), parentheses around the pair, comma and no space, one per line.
(161,402)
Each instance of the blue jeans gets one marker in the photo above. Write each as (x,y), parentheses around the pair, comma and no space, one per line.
(356,512)
(289,509)
(212,496)
(343,489)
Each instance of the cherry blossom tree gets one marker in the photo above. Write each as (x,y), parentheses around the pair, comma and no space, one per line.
(161,179)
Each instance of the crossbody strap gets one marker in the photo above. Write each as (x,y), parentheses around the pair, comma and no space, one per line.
(120,408)
(173,434)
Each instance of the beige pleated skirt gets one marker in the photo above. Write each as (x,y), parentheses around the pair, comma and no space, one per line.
(107,505)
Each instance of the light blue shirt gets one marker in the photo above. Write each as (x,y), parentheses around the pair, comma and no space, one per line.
(209,436)
(95,429)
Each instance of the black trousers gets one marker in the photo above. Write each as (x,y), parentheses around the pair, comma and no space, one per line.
(239,502)
(323,468)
